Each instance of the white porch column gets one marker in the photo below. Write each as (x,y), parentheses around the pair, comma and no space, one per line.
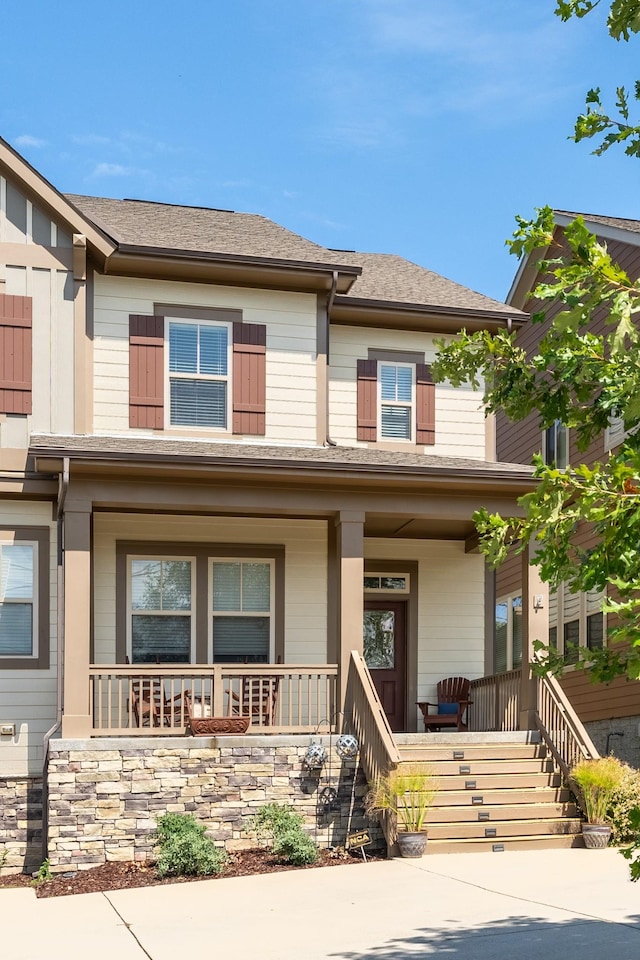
(535,626)
(76,720)
(350,569)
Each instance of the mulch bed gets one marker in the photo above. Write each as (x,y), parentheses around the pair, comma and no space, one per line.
(125,876)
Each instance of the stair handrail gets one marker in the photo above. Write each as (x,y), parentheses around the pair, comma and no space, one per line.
(559,725)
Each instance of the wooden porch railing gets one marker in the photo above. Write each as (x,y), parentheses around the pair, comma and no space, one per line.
(364,716)
(496,702)
(560,727)
(303,697)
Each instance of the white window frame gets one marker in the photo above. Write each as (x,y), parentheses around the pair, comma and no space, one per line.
(396,403)
(267,561)
(160,613)
(33,600)
(220,378)
(556,427)
(509,600)
(583,615)
(389,590)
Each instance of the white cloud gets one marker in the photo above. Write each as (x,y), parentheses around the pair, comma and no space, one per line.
(26,140)
(90,139)
(111,170)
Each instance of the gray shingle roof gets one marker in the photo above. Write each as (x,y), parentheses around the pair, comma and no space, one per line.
(385,277)
(215,453)
(621,222)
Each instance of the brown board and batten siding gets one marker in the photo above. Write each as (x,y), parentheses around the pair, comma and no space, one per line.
(15,354)
(146,372)
(367,373)
(425,405)
(249,378)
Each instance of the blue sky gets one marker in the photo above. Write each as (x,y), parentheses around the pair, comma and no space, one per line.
(417,127)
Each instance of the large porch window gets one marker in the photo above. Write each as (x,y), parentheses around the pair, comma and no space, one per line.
(160,618)
(242,621)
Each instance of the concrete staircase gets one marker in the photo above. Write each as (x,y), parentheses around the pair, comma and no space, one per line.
(497,792)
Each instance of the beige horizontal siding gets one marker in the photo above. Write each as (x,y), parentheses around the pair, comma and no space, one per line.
(28,697)
(290,319)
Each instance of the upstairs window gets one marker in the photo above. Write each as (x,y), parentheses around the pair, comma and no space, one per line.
(199,365)
(396,383)
(556,445)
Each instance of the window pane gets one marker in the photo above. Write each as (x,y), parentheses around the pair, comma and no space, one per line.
(553,637)
(500,647)
(405,381)
(378,638)
(213,350)
(241,639)
(562,445)
(160,639)
(146,579)
(183,347)
(595,632)
(388,382)
(16,580)
(396,422)
(16,629)
(176,585)
(372,583)
(199,403)
(393,583)
(226,586)
(571,641)
(256,586)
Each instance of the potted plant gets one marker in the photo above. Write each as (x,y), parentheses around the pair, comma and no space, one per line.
(596,781)
(406,792)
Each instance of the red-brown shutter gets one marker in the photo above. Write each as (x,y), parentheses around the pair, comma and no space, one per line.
(15,354)
(146,372)
(367,397)
(425,405)
(249,378)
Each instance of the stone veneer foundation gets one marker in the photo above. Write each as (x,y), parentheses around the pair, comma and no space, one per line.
(20,824)
(105,794)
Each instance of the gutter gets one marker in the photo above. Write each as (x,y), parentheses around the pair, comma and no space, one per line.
(328,442)
(63,486)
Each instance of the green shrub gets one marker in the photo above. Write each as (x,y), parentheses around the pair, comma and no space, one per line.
(183,848)
(280,822)
(597,781)
(624,800)
(295,846)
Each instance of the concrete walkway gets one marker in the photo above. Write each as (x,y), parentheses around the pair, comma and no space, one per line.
(545,905)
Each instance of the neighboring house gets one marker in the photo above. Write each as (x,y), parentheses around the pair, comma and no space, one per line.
(221,454)
(575,620)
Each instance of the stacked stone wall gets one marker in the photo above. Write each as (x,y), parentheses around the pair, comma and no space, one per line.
(20,824)
(105,795)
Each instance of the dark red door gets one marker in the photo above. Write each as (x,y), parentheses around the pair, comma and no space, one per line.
(385,652)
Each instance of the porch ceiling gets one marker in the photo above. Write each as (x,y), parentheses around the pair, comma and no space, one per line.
(417,528)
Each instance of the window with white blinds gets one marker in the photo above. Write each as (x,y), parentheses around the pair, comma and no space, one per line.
(242,616)
(160,610)
(18,599)
(396,401)
(507,650)
(575,620)
(199,373)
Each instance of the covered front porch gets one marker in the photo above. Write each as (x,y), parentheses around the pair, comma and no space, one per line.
(237,585)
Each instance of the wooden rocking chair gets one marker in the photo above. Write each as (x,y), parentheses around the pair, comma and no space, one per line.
(258,700)
(453,700)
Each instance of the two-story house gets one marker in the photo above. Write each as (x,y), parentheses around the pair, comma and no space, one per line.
(224,467)
(610,712)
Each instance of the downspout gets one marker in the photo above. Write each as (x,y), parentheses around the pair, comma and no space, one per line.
(63,486)
(332,295)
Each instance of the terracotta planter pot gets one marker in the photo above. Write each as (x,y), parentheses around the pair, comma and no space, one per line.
(596,835)
(218,726)
(412,844)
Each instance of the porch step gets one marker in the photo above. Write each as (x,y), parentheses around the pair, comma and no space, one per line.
(503,846)
(495,792)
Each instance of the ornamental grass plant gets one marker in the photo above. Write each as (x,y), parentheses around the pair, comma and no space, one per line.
(407,791)
(597,782)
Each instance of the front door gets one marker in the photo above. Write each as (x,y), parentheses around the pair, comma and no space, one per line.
(385,653)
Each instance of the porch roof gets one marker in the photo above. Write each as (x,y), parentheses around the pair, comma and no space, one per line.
(361,461)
